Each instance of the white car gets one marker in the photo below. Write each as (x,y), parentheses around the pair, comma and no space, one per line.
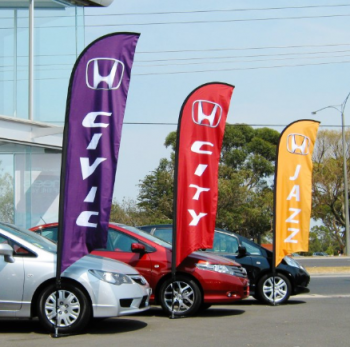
(92,287)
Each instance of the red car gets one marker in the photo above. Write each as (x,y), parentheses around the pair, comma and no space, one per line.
(202,279)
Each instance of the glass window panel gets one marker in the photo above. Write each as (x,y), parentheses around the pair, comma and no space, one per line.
(54,58)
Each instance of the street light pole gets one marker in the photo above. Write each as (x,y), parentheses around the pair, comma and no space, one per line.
(345,170)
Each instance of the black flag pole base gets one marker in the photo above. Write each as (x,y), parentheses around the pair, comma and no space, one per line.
(56,334)
(172,316)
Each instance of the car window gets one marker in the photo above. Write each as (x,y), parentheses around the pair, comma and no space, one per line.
(3,240)
(145,235)
(118,241)
(50,233)
(164,234)
(224,243)
(29,236)
(251,248)
(18,250)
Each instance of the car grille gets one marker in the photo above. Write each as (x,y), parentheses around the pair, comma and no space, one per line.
(127,303)
(144,302)
(238,271)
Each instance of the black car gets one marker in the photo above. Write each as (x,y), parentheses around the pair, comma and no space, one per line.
(290,277)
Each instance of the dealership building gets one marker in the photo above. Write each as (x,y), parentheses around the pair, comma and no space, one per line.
(40,41)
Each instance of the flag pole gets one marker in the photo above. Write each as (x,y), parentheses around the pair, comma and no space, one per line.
(274,247)
(61,210)
(174,233)
(274,268)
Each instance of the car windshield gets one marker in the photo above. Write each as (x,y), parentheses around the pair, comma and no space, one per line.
(29,236)
(251,247)
(145,235)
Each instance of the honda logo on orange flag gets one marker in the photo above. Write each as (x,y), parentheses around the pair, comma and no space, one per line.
(199,138)
(293,181)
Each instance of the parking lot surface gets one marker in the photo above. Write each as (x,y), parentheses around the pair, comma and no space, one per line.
(305,321)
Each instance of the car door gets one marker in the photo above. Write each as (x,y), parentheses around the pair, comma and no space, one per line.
(256,258)
(119,248)
(11,282)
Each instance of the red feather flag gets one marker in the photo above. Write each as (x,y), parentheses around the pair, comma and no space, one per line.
(199,139)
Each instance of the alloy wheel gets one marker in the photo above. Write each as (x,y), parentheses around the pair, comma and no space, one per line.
(280,292)
(179,297)
(68,308)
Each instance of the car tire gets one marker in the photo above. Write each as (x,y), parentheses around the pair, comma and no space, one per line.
(187,298)
(74,308)
(282,289)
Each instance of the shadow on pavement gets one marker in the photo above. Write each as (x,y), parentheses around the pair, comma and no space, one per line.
(217,311)
(253,302)
(213,311)
(114,326)
(21,326)
(97,326)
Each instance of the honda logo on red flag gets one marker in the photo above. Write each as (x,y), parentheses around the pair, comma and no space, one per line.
(211,115)
(199,138)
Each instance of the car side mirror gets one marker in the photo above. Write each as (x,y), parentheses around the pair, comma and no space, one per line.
(138,248)
(242,251)
(7,251)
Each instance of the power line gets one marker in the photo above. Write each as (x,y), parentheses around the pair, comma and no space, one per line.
(206,50)
(72,15)
(186,59)
(237,61)
(204,71)
(218,10)
(186,22)
(240,56)
(48,66)
(244,48)
(217,21)
(230,124)
(238,69)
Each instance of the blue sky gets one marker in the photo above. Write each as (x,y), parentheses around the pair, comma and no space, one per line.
(284,62)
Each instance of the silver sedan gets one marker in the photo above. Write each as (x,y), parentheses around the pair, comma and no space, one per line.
(91,287)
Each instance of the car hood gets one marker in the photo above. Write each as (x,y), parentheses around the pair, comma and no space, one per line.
(95,262)
(212,258)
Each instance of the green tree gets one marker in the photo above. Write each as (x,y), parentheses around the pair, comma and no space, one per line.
(128,212)
(6,198)
(321,240)
(245,202)
(245,195)
(156,191)
(328,183)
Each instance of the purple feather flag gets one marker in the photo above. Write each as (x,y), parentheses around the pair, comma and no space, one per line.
(94,117)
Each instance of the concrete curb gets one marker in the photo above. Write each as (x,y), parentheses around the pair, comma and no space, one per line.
(328,270)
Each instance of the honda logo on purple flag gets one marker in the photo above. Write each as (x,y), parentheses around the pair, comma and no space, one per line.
(94,117)
(104,73)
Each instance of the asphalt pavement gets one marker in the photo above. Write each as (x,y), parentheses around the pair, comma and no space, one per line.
(318,319)
(303,322)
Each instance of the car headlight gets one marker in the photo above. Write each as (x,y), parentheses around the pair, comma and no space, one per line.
(111,277)
(291,262)
(230,270)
